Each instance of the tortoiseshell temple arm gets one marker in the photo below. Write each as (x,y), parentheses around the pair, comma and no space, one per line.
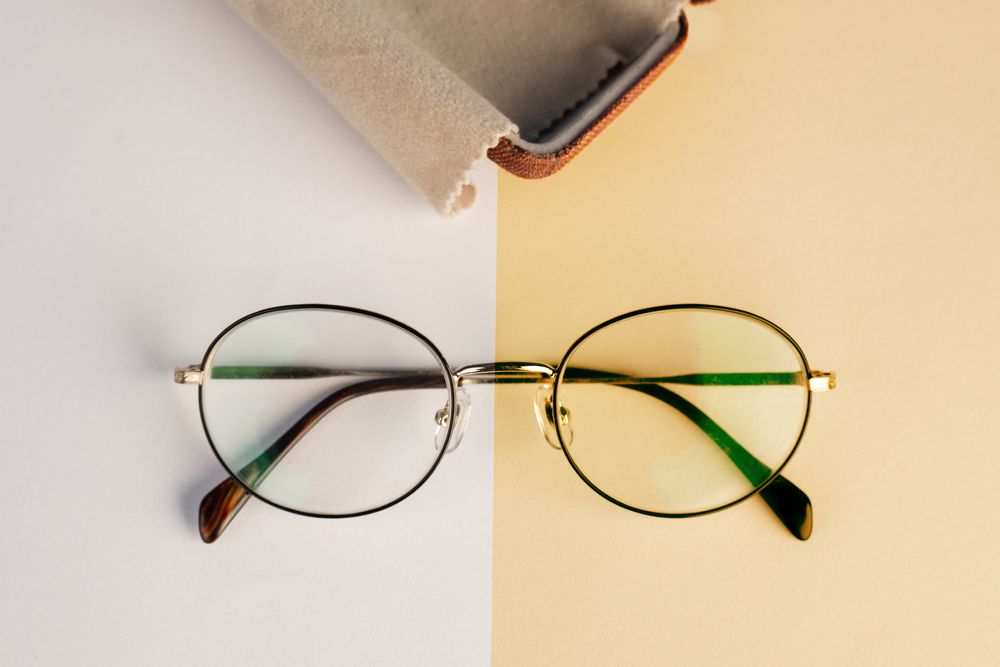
(220,505)
(789,503)
(218,508)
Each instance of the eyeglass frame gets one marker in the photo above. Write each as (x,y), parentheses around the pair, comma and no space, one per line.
(791,505)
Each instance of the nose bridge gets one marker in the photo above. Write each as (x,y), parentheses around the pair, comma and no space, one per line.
(525,372)
(505,372)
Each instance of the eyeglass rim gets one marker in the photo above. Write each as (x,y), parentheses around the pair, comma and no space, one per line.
(448,372)
(557,381)
(562,367)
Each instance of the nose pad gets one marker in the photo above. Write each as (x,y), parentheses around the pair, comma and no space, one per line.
(545,415)
(461,419)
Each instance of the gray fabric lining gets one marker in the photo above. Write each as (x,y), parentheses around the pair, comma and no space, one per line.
(576,121)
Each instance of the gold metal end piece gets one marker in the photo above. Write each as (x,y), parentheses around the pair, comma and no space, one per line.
(822,381)
(190,375)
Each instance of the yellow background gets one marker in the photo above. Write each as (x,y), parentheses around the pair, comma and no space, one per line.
(834,167)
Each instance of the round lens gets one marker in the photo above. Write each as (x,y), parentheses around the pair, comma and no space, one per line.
(326,411)
(680,411)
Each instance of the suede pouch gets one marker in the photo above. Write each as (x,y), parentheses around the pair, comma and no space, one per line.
(437,85)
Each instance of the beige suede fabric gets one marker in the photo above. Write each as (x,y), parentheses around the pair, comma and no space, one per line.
(433,84)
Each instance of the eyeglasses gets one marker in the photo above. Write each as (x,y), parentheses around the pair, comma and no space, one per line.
(671,411)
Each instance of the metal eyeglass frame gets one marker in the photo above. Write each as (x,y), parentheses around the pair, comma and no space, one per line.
(791,505)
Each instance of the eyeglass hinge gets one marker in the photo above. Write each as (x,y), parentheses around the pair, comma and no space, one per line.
(190,375)
(822,381)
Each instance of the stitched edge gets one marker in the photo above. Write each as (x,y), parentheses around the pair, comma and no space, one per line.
(463,194)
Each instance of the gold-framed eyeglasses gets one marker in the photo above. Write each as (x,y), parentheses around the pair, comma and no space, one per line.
(670,411)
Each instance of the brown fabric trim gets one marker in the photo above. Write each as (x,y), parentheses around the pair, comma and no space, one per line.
(526,164)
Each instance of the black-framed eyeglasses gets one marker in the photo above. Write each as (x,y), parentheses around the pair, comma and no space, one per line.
(670,411)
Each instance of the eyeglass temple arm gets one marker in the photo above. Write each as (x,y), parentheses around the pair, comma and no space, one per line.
(221,504)
(787,501)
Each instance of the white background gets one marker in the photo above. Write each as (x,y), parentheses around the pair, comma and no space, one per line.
(164,172)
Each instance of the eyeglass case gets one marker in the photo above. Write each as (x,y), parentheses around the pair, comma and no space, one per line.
(436,85)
